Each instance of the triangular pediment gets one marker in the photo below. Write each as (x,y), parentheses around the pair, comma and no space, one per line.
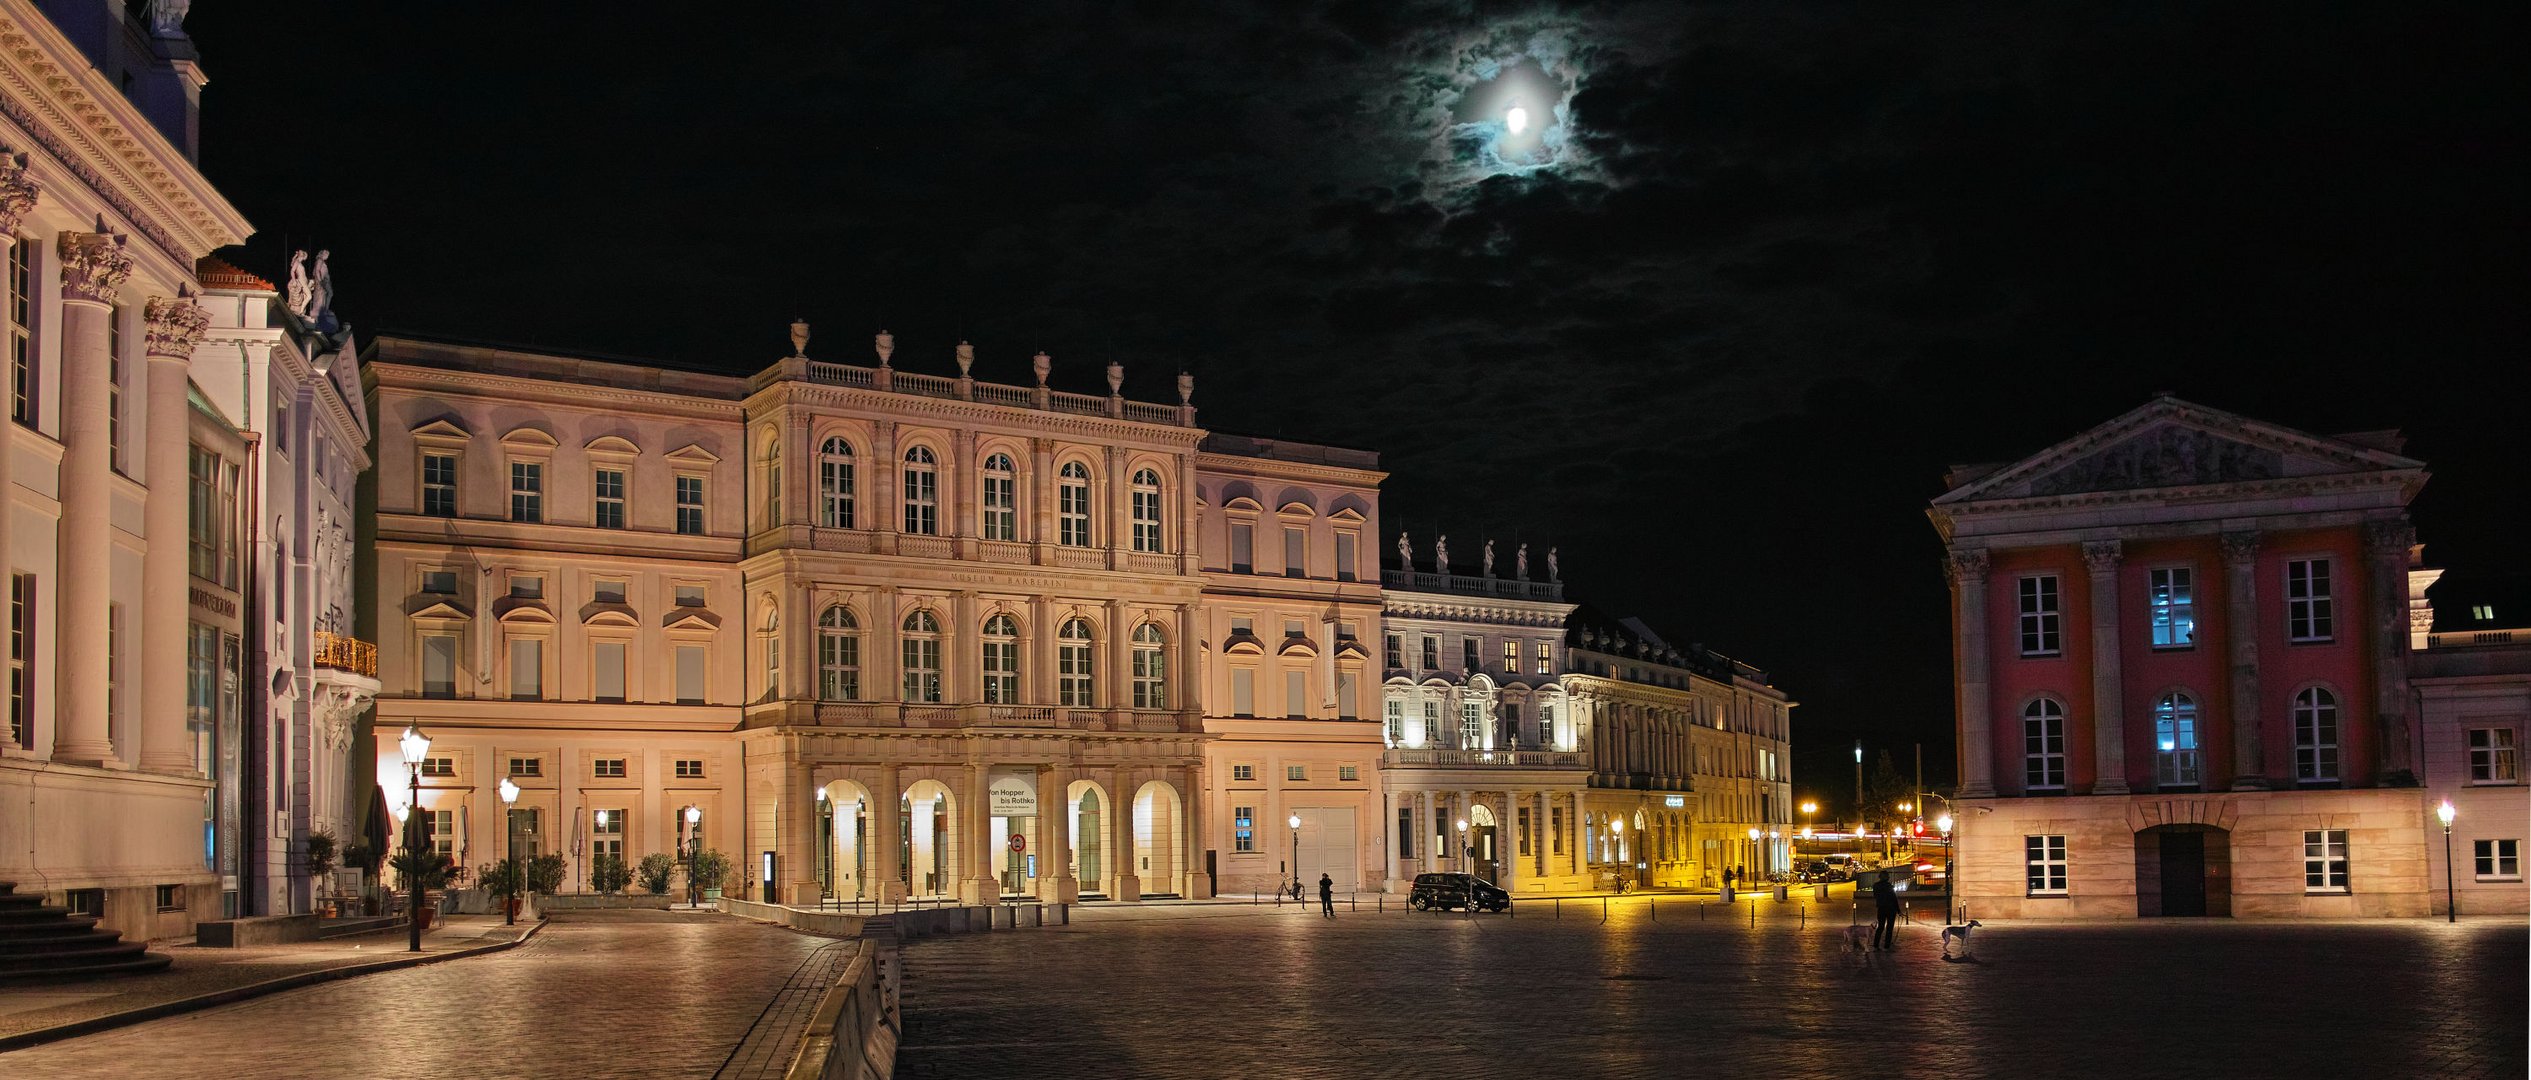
(2169,444)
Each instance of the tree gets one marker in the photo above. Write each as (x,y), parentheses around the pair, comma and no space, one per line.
(608,874)
(656,869)
(1883,790)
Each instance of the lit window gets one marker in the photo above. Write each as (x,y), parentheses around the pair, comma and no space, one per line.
(1243,828)
(2307,607)
(1151,684)
(689,768)
(2324,860)
(1348,772)
(2040,632)
(2315,736)
(2174,608)
(1296,772)
(2043,745)
(1001,499)
(527,766)
(834,484)
(1396,733)
(922,492)
(1146,510)
(1243,772)
(2045,857)
(608,768)
(1001,661)
(2175,739)
(922,657)
(2491,756)
(838,655)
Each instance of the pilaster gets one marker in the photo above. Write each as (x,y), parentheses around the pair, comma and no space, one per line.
(2390,547)
(2241,654)
(1967,568)
(2109,747)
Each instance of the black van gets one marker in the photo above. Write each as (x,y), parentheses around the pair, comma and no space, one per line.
(1456,891)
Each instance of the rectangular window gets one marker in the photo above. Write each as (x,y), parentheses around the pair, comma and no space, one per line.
(439,665)
(1296,772)
(22,641)
(1431,734)
(1072,506)
(2174,608)
(689,596)
(527,491)
(1432,653)
(1406,832)
(1555,845)
(1511,658)
(1243,828)
(202,513)
(443,831)
(2307,610)
(1243,692)
(1243,547)
(1295,694)
(606,834)
(608,682)
(1348,772)
(2043,747)
(1243,772)
(2499,860)
(171,898)
(2491,756)
(1345,688)
(1546,658)
(608,768)
(22,377)
(527,586)
(690,675)
(607,591)
(689,768)
(2040,632)
(1396,722)
(2324,860)
(1471,725)
(527,669)
(2045,856)
(439,485)
(922,495)
(1345,543)
(1295,552)
(690,505)
(439,766)
(609,484)
(1393,656)
(439,582)
(527,766)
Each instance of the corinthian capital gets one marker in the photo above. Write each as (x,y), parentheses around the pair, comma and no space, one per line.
(18,192)
(95,264)
(175,324)
(2102,556)
(2240,546)
(2389,537)
(1965,563)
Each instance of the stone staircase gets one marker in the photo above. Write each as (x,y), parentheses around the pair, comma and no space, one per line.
(40,943)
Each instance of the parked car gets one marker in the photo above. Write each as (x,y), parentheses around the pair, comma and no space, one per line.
(1452,891)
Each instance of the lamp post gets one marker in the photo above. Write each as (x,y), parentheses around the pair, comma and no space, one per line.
(1295,822)
(2451,899)
(1950,865)
(1467,859)
(1617,833)
(693,846)
(510,844)
(415,744)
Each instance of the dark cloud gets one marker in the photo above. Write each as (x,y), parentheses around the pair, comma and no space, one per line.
(1785,262)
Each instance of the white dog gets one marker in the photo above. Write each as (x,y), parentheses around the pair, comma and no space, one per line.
(1959,933)
(1858,938)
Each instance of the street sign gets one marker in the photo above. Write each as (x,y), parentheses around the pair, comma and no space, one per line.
(1019,842)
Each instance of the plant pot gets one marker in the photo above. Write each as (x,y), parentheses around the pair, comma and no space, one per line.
(512,906)
(711,896)
(424,913)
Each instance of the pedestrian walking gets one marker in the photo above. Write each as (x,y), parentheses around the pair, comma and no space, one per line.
(1727,878)
(1885,905)
(1327,895)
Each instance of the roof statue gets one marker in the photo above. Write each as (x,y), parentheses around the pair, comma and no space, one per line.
(1405,552)
(1489,558)
(1520,562)
(966,359)
(321,295)
(1441,554)
(167,17)
(1043,365)
(1553,571)
(886,343)
(295,297)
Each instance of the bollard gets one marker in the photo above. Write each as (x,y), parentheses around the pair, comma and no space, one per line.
(1656,909)
(1559,907)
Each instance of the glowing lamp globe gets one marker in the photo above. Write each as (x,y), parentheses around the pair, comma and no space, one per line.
(693,815)
(509,791)
(1516,120)
(1944,824)
(1293,821)
(414,743)
(2444,813)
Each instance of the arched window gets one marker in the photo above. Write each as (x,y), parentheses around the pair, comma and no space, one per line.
(922,657)
(1001,499)
(1146,510)
(2315,736)
(1001,661)
(838,656)
(922,492)
(1074,672)
(2043,745)
(1072,505)
(834,484)
(773,479)
(1151,669)
(2175,739)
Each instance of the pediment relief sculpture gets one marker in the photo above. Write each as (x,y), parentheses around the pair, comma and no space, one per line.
(2169,456)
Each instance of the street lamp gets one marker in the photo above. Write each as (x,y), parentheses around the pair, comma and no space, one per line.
(1755,834)
(415,744)
(1295,822)
(2451,899)
(1950,865)
(693,846)
(510,838)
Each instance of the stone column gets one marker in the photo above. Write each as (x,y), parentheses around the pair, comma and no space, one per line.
(1461,843)
(1041,498)
(1182,674)
(2241,651)
(1422,832)
(979,885)
(883,494)
(1114,533)
(887,825)
(2109,727)
(1055,883)
(964,520)
(795,828)
(879,666)
(1128,864)
(94,266)
(1199,885)
(1038,677)
(1388,827)
(1968,567)
(18,194)
(2389,547)
(175,326)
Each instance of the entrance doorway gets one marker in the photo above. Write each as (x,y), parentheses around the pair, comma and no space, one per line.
(1485,859)
(2183,871)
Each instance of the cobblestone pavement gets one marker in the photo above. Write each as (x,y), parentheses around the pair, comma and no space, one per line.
(597,994)
(1232,991)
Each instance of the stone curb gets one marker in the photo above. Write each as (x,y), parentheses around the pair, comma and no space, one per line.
(233,994)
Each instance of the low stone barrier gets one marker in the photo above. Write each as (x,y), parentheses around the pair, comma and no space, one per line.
(914,923)
(853,1034)
(815,922)
(256,930)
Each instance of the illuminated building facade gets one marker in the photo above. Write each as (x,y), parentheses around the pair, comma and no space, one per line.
(2470,662)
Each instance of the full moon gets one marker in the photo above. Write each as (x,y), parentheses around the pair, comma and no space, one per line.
(1517,119)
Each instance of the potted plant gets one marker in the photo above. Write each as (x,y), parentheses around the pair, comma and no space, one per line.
(609,874)
(545,874)
(367,860)
(429,869)
(503,879)
(710,869)
(656,869)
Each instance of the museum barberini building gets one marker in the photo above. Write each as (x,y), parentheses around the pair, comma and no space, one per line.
(2182,652)
(878,635)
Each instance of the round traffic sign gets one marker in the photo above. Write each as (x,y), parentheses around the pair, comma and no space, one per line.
(1019,842)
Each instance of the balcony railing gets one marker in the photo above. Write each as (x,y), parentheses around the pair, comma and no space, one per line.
(1472,585)
(1483,759)
(2453,638)
(1020,397)
(890,714)
(346,654)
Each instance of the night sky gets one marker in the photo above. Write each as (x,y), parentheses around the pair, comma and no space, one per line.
(1713,324)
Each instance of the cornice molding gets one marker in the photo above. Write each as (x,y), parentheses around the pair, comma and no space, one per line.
(389,375)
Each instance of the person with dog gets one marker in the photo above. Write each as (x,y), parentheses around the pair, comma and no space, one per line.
(1327,896)
(1885,907)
